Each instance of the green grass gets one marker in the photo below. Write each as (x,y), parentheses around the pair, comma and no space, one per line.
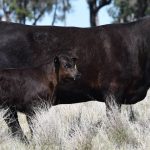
(82,127)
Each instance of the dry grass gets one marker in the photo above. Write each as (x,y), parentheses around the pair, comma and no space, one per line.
(83,127)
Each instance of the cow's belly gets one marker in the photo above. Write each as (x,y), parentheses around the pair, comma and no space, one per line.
(76,94)
(135,95)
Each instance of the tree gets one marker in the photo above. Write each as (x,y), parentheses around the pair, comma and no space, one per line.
(33,10)
(61,8)
(94,7)
(129,10)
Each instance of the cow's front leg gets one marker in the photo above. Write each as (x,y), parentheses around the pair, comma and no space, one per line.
(11,119)
(30,116)
(113,107)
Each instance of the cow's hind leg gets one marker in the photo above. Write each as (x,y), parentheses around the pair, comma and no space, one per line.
(132,117)
(11,119)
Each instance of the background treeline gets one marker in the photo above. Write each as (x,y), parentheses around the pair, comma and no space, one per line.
(22,11)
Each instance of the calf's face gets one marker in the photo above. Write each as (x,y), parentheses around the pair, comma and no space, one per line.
(67,67)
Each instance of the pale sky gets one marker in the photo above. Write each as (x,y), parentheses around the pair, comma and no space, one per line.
(79,16)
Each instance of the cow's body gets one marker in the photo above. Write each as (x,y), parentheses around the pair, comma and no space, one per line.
(113,59)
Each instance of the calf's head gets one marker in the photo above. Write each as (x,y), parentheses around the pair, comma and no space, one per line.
(65,67)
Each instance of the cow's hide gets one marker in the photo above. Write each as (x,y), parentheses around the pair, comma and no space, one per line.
(113,59)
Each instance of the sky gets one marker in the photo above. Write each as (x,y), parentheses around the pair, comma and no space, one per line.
(79,16)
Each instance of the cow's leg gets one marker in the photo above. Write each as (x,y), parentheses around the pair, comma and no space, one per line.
(29,116)
(112,105)
(132,117)
(30,124)
(11,119)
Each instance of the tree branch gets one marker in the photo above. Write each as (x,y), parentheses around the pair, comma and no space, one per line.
(102,3)
(55,14)
(6,13)
(39,16)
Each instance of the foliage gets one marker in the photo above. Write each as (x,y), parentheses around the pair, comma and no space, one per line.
(129,10)
(33,10)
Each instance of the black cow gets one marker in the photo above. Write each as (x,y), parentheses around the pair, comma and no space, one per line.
(113,59)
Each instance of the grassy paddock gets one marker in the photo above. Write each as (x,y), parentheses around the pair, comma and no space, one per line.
(82,127)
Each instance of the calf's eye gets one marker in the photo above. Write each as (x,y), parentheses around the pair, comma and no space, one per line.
(67,65)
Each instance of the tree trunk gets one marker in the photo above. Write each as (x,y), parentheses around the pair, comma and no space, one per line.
(141,8)
(94,7)
(93,13)
(25,8)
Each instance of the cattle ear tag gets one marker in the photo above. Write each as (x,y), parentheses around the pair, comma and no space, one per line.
(75,66)
(56,59)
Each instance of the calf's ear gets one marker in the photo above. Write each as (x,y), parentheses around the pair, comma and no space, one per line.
(56,64)
(56,60)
